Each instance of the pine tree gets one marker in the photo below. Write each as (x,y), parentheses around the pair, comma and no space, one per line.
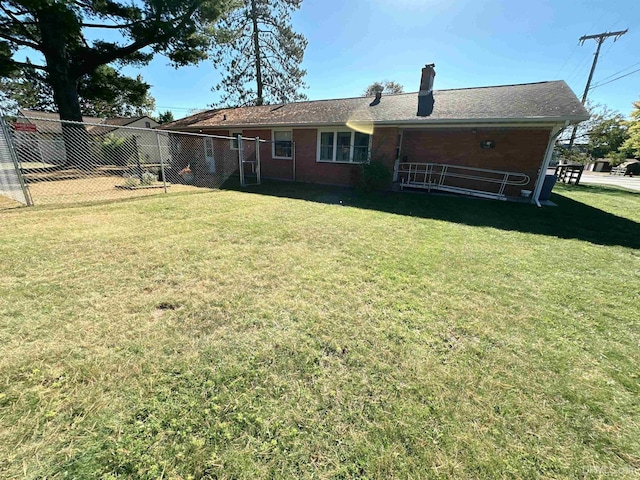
(104,93)
(260,54)
(57,31)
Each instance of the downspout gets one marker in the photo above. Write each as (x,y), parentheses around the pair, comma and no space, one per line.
(293,147)
(555,132)
(396,164)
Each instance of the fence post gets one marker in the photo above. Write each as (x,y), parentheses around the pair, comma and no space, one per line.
(240,160)
(258,161)
(4,130)
(164,180)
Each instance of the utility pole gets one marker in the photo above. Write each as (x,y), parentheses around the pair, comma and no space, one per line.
(599,38)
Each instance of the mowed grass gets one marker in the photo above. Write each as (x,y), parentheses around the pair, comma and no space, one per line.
(277,333)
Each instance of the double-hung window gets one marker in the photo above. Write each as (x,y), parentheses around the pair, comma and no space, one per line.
(282,144)
(343,146)
(234,140)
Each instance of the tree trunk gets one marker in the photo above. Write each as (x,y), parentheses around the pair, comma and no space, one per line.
(64,82)
(256,47)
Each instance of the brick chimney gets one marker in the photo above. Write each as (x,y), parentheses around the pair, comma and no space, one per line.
(425,97)
(376,100)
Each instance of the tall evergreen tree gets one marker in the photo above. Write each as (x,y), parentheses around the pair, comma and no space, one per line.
(103,93)
(56,30)
(106,93)
(260,54)
(26,89)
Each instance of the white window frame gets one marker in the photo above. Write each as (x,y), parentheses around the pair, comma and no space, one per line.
(273,143)
(335,131)
(234,133)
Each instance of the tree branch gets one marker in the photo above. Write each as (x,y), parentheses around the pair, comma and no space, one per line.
(20,24)
(102,25)
(96,59)
(10,13)
(18,41)
(29,65)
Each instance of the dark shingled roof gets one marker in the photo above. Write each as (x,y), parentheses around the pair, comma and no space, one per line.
(50,121)
(531,102)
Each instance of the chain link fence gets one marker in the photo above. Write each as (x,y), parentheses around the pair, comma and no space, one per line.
(71,162)
(11,182)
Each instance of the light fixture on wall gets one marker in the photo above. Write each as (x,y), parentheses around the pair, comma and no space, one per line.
(487,144)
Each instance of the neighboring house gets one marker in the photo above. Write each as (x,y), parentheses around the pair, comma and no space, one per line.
(39,136)
(631,167)
(474,132)
(599,165)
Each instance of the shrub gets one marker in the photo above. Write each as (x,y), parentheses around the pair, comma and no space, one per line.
(116,150)
(373,176)
(131,181)
(148,178)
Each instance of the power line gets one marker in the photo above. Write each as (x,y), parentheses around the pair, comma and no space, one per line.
(181,108)
(567,60)
(617,78)
(581,65)
(616,73)
(599,38)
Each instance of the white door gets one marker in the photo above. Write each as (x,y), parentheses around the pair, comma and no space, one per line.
(208,154)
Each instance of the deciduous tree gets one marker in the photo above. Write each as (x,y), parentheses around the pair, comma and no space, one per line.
(607,133)
(632,145)
(384,87)
(165,117)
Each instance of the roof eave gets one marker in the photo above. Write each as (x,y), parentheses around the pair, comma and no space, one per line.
(405,123)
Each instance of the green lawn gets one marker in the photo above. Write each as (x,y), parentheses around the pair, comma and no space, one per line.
(276,333)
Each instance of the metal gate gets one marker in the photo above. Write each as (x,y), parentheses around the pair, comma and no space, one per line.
(249,161)
(12,183)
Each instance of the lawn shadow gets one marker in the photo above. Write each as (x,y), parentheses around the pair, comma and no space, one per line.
(570,219)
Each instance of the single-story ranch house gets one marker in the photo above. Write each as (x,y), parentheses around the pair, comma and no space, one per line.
(488,141)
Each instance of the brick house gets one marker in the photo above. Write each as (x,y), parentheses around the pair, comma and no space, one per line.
(487,141)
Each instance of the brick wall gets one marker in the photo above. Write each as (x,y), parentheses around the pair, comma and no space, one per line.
(516,149)
(275,168)
(383,149)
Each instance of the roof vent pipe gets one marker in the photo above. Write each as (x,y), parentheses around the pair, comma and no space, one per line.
(425,97)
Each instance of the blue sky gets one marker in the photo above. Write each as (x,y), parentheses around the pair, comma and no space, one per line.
(473,43)
(353,43)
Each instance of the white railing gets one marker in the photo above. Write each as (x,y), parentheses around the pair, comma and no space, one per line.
(441,176)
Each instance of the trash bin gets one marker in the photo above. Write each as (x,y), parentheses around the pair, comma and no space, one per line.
(547,186)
